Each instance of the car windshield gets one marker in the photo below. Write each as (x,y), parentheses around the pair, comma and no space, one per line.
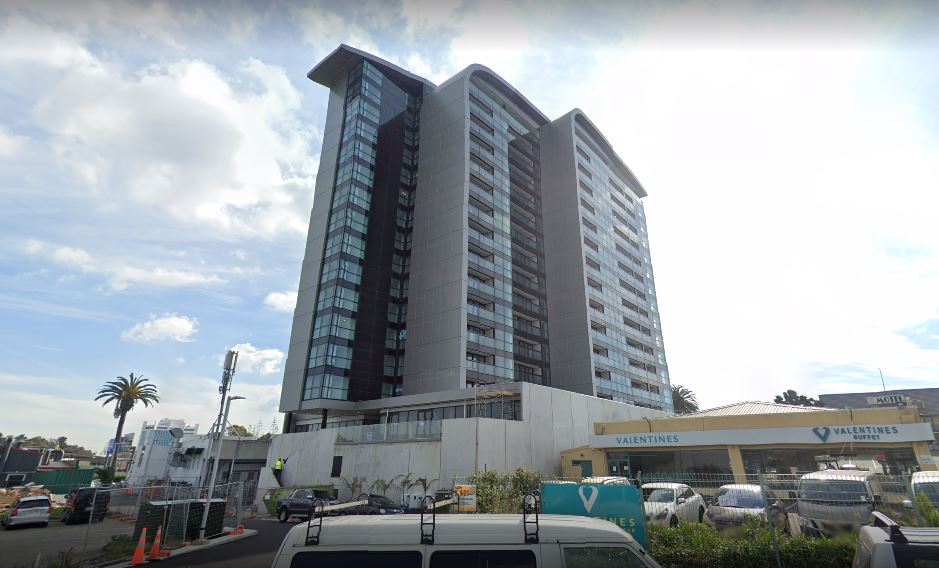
(382,501)
(833,490)
(658,495)
(321,494)
(740,498)
(33,503)
(930,488)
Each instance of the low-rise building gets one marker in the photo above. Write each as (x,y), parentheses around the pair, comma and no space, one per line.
(443,435)
(926,400)
(750,437)
(153,448)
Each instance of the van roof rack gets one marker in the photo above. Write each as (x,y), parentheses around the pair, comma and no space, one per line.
(531,536)
(314,539)
(904,535)
(428,537)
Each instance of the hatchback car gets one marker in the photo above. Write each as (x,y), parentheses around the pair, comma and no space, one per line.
(668,504)
(33,510)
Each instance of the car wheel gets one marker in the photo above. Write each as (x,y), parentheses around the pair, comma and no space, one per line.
(372,513)
(673,522)
(701,515)
(46,524)
(282,515)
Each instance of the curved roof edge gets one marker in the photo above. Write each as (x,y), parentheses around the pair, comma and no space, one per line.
(580,118)
(505,88)
(325,71)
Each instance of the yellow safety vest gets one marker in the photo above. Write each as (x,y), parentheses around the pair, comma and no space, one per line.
(278,465)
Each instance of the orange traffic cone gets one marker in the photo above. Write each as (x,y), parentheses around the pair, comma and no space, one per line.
(138,559)
(155,549)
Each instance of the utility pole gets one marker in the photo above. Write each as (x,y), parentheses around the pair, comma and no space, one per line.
(228,373)
(882,382)
(210,489)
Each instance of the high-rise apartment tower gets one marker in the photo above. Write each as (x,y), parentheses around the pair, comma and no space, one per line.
(460,237)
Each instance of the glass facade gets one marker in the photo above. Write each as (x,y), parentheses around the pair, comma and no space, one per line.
(626,338)
(359,325)
(507,337)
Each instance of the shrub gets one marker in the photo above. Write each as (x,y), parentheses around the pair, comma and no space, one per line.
(498,492)
(699,545)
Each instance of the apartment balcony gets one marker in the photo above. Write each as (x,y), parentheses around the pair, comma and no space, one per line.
(527,263)
(423,431)
(531,354)
(529,330)
(529,307)
(530,285)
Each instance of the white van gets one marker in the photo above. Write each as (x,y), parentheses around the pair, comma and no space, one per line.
(833,501)
(508,541)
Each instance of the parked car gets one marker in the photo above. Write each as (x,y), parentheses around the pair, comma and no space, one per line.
(298,503)
(86,503)
(33,510)
(377,505)
(668,504)
(885,544)
(835,500)
(926,482)
(733,504)
(463,540)
(606,480)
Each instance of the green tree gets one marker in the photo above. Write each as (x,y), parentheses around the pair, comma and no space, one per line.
(683,400)
(425,484)
(239,430)
(792,397)
(354,485)
(124,393)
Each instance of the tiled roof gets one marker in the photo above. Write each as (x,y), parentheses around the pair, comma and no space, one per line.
(756,407)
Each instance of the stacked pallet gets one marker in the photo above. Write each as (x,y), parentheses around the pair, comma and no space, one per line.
(11,494)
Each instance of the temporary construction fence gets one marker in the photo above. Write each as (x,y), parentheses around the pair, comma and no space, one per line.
(104,524)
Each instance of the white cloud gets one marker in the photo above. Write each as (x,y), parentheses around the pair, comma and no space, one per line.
(227,151)
(10,144)
(281,301)
(168,327)
(251,359)
(120,275)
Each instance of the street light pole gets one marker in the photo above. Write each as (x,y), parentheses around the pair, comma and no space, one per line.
(210,488)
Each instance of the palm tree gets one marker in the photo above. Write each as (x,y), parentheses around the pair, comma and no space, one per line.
(683,400)
(425,484)
(125,393)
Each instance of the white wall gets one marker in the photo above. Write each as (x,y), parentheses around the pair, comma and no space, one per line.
(554,420)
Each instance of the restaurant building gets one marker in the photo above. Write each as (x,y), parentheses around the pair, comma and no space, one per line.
(751,437)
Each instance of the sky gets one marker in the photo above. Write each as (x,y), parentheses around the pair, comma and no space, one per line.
(157,165)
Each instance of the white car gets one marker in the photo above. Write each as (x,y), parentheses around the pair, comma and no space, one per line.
(668,504)
(33,510)
(606,480)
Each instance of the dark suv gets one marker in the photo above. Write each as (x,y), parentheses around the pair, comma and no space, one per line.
(86,503)
(377,505)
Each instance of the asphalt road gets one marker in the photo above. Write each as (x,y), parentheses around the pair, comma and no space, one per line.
(255,551)
(20,545)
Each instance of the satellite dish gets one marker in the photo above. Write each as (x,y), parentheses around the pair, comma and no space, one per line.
(176,433)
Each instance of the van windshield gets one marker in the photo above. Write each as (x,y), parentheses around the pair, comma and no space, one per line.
(833,491)
(931,489)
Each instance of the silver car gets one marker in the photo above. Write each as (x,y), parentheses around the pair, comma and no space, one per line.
(28,511)
(734,503)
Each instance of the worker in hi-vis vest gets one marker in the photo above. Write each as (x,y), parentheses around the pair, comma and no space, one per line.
(278,467)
